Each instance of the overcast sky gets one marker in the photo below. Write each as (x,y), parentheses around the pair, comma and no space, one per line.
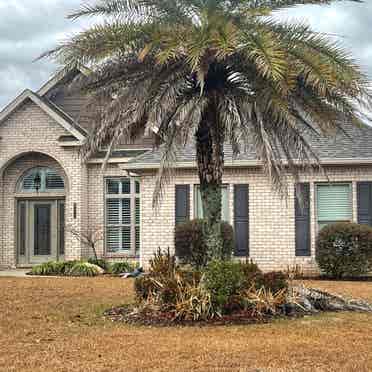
(28,28)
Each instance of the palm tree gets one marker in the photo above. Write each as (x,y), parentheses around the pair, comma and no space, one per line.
(210,72)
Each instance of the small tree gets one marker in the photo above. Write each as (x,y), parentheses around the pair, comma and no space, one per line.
(90,237)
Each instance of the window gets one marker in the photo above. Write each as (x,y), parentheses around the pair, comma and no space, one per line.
(122,216)
(334,203)
(225,213)
(41,179)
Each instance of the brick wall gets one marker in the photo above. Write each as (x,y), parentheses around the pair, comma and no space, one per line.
(272,224)
(29,138)
(26,132)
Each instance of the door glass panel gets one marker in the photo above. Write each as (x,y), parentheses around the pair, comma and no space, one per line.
(22,228)
(42,224)
(61,215)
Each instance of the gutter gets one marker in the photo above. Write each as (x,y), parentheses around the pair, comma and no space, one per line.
(246,163)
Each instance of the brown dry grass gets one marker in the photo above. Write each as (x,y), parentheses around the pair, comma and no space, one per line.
(56,325)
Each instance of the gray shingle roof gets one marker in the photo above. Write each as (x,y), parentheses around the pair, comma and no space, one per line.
(352,145)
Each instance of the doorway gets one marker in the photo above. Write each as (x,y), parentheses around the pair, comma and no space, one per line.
(40,231)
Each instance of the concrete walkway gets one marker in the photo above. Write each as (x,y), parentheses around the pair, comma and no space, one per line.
(15,273)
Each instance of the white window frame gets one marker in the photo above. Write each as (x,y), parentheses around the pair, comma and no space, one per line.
(195,201)
(134,250)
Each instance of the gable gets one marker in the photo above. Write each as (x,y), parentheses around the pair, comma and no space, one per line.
(48,108)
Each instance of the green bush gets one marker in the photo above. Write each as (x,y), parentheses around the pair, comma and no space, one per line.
(84,269)
(274,281)
(102,263)
(344,249)
(223,279)
(47,268)
(190,244)
(121,267)
(64,267)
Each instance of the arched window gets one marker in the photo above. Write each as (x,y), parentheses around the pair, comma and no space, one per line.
(41,179)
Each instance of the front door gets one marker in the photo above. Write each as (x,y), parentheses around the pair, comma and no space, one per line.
(40,231)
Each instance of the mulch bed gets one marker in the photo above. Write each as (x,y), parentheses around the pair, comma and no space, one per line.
(128,314)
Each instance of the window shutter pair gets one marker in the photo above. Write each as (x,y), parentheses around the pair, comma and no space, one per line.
(241,214)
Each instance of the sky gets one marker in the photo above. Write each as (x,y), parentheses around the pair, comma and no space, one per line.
(29,28)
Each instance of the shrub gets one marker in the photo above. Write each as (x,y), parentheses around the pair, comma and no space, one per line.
(47,268)
(84,269)
(190,244)
(163,263)
(102,263)
(275,281)
(64,267)
(121,267)
(223,279)
(251,273)
(161,278)
(143,287)
(344,249)
(264,301)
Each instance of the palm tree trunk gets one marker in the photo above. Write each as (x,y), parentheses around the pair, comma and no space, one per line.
(210,161)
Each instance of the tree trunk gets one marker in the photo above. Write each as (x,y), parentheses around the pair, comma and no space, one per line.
(210,160)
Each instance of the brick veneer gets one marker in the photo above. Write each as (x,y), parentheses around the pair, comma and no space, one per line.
(271,218)
(29,138)
(26,133)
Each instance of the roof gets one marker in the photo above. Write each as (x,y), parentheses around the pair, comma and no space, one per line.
(60,77)
(353,145)
(49,108)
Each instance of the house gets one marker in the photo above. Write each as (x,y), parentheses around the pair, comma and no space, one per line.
(47,191)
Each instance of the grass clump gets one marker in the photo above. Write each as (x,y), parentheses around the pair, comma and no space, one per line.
(47,269)
(84,269)
(118,268)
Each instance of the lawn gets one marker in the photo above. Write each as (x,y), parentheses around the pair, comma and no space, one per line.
(56,325)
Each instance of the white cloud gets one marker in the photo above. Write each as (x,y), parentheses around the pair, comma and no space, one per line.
(28,28)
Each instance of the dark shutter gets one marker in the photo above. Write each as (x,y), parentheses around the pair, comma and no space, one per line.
(241,220)
(182,203)
(302,219)
(365,203)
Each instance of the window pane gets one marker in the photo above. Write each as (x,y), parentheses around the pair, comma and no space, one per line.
(22,229)
(113,214)
(334,203)
(125,184)
(61,212)
(137,239)
(138,187)
(138,211)
(113,239)
(126,214)
(113,186)
(126,238)
(225,215)
(28,182)
(54,181)
(122,230)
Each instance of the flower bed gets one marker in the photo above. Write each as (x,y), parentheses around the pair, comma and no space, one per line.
(223,292)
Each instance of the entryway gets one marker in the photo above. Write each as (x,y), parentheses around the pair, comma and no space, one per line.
(40,231)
